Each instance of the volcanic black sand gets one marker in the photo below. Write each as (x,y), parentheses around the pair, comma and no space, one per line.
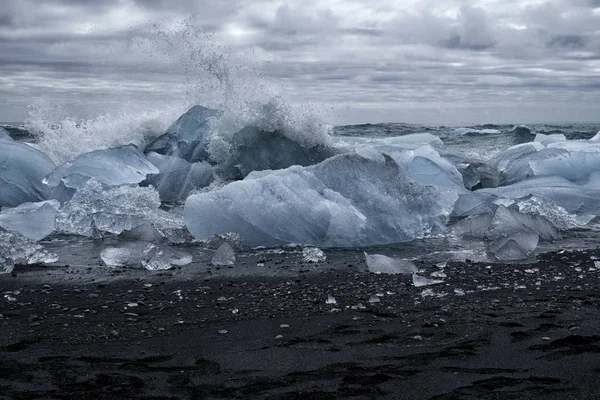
(490,331)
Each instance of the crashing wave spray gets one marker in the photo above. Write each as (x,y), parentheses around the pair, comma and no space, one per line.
(212,75)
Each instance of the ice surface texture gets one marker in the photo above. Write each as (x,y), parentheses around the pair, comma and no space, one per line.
(123,165)
(22,169)
(347,200)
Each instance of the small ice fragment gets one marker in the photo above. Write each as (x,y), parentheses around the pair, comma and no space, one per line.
(313,255)
(222,331)
(284,326)
(359,306)
(157,258)
(235,311)
(374,299)
(597,264)
(459,292)
(118,257)
(330,300)
(379,263)
(441,265)
(132,304)
(420,281)
(438,274)
(224,255)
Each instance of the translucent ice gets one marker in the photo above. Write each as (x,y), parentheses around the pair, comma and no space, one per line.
(346,200)
(224,255)
(480,175)
(35,221)
(420,281)
(378,263)
(188,137)
(313,255)
(145,232)
(507,221)
(114,210)
(15,247)
(177,177)
(157,258)
(4,134)
(123,165)
(514,247)
(547,139)
(22,169)
(129,255)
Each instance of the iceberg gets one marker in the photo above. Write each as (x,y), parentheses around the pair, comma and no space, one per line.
(35,221)
(380,264)
(22,169)
(224,255)
(479,175)
(177,178)
(123,165)
(347,200)
(188,137)
(115,210)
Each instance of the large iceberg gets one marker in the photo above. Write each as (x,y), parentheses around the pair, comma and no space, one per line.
(22,169)
(35,221)
(178,178)
(123,165)
(347,200)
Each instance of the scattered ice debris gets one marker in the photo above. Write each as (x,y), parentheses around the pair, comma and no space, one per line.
(313,255)
(374,299)
(35,221)
(359,306)
(459,292)
(224,255)
(380,264)
(330,300)
(420,281)
(22,169)
(438,274)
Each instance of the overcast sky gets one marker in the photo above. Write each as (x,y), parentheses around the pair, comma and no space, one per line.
(418,61)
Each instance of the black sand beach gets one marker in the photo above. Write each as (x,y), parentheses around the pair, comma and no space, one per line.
(490,331)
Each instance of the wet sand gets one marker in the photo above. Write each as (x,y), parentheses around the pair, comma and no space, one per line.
(490,331)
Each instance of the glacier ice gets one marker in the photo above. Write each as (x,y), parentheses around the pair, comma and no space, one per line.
(123,165)
(346,200)
(313,255)
(177,177)
(507,221)
(22,169)
(147,255)
(15,247)
(479,175)
(547,139)
(421,281)
(188,137)
(514,247)
(35,221)
(224,255)
(380,264)
(115,210)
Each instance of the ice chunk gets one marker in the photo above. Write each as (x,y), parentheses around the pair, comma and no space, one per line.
(420,281)
(4,134)
(140,254)
(115,210)
(503,160)
(313,255)
(480,175)
(572,197)
(17,248)
(177,177)
(224,255)
(236,242)
(346,200)
(123,165)
(472,203)
(596,138)
(514,247)
(554,213)
(474,226)
(378,263)
(35,221)
(158,258)
(547,139)
(522,134)
(507,222)
(188,137)
(22,169)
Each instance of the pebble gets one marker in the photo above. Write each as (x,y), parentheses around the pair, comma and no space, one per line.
(284,326)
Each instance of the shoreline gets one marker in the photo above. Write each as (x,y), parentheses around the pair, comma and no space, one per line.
(526,330)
